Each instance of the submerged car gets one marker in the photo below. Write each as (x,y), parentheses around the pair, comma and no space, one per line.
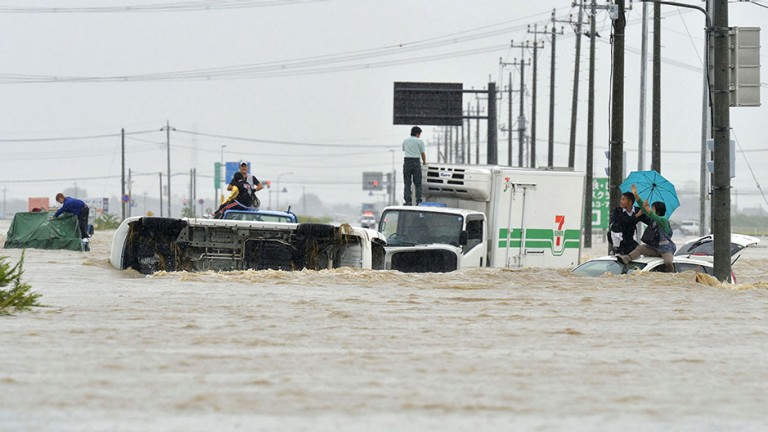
(696,255)
(689,227)
(151,244)
(368,222)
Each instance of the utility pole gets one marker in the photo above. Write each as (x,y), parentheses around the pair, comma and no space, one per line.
(445,144)
(643,89)
(493,151)
(509,121)
(463,144)
(130,194)
(469,133)
(477,132)
(590,129)
(509,108)
(536,47)
(721,197)
(521,117)
(122,171)
(161,194)
(705,134)
(656,115)
(456,145)
(617,106)
(167,130)
(575,101)
(191,193)
(551,138)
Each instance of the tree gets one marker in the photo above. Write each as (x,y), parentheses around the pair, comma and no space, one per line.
(107,221)
(19,296)
(75,192)
(187,212)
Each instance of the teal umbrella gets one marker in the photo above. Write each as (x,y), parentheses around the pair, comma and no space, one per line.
(652,187)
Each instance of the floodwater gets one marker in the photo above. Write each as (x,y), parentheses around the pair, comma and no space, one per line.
(485,349)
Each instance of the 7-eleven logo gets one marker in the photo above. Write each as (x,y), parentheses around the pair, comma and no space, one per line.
(559,232)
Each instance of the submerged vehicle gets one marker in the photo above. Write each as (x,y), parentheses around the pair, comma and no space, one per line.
(39,230)
(487,216)
(151,244)
(689,227)
(696,255)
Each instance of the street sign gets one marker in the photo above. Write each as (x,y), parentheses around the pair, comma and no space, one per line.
(419,103)
(216,174)
(232,168)
(601,202)
(373,181)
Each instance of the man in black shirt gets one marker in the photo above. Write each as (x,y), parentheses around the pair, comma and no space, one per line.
(248,185)
(623,223)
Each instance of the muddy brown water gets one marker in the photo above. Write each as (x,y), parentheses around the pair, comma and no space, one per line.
(483,349)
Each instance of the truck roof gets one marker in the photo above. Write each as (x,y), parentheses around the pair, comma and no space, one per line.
(433,209)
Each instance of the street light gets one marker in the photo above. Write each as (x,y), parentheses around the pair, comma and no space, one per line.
(278,187)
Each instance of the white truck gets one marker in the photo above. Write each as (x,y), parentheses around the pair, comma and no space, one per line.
(487,216)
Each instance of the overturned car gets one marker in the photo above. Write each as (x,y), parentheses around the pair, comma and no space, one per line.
(151,244)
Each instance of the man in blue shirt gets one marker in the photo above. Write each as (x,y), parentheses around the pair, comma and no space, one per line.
(413,150)
(76,207)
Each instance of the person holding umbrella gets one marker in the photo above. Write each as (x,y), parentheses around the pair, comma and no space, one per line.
(657,238)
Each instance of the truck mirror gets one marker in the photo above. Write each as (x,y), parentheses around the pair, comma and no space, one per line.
(463,238)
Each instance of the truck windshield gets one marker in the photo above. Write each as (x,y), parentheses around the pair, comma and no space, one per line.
(412,227)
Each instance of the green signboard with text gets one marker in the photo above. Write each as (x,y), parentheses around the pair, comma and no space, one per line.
(601,201)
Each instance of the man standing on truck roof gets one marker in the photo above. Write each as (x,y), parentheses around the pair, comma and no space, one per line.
(413,150)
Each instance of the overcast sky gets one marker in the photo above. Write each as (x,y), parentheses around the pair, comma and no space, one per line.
(311,83)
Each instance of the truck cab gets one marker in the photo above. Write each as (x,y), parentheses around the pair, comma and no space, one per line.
(433,238)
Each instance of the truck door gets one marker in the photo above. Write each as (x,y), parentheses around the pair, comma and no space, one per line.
(514,245)
(474,252)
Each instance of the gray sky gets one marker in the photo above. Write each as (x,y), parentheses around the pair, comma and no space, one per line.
(275,74)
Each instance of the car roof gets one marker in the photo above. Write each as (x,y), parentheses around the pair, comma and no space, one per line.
(263,212)
(431,209)
(651,260)
(703,247)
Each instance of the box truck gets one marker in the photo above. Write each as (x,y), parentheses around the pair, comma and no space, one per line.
(487,216)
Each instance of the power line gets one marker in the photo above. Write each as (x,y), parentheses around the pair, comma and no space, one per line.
(306,65)
(268,141)
(70,138)
(246,72)
(159,7)
(287,67)
(756,3)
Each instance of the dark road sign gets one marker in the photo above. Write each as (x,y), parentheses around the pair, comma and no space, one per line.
(435,104)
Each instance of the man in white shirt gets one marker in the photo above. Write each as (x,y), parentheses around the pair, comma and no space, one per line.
(414,154)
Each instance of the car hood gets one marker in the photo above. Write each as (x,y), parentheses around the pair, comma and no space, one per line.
(702,248)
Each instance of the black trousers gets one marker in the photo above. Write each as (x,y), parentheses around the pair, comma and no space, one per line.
(411,173)
(82,220)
